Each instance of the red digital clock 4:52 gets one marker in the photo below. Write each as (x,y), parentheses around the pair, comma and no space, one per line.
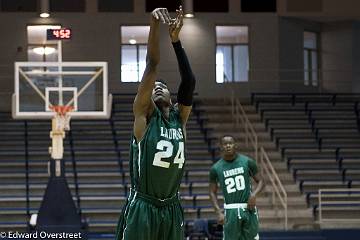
(58,34)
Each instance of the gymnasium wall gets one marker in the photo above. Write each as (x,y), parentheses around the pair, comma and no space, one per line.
(96,37)
(356,57)
(275,45)
(291,55)
(337,56)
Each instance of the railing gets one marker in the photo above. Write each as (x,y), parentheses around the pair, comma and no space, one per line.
(278,188)
(345,194)
(115,139)
(241,121)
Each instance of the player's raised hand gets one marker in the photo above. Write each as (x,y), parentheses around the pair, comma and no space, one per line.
(176,25)
(161,14)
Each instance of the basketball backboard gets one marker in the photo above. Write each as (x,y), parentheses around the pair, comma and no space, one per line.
(41,85)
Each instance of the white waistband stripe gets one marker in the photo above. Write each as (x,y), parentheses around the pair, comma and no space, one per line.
(235,205)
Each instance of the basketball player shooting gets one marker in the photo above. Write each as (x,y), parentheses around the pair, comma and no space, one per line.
(157,152)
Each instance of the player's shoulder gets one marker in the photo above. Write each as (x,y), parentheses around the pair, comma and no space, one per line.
(156,113)
(218,164)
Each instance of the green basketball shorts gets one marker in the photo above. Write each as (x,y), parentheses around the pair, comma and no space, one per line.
(240,222)
(147,218)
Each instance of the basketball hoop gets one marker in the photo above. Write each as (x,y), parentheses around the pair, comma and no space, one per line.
(62,117)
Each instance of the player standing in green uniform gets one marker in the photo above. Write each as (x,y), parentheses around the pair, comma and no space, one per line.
(234,172)
(157,151)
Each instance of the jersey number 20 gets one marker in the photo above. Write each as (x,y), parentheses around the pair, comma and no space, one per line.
(166,151)
(235,183)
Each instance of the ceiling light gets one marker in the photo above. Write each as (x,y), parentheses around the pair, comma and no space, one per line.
(44,9)
(44,15)
(132,41)
(44,50)
(188,8)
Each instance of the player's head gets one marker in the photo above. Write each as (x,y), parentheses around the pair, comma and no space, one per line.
(161,93)
(227,146)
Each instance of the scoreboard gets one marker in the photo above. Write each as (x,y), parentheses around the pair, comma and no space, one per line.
(59,34)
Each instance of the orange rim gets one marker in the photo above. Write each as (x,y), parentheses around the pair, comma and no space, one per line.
(61,109)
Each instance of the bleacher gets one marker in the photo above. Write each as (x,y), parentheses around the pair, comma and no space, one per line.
(96,157)
(319,149)
(318,136)
(218,111)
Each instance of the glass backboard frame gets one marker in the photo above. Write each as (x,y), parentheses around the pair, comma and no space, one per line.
(105,111)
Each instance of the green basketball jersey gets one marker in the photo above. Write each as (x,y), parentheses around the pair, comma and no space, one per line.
(234,178)
(157,161)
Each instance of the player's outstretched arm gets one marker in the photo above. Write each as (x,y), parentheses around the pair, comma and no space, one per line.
(143,105)
(213,197)
(260,186)
(187,85)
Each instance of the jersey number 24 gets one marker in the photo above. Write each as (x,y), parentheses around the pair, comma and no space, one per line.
(166,151)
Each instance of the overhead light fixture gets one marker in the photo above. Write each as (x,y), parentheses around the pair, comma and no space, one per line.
(132,41)
(44,15)
(188,8)
(44,50)
(44,9)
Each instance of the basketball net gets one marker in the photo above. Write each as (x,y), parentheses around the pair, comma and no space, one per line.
(60,124)
(62,117)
